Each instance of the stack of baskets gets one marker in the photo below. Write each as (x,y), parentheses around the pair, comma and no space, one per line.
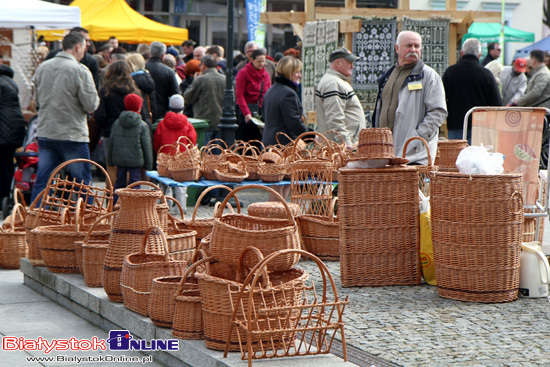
(184,165)
(378,211)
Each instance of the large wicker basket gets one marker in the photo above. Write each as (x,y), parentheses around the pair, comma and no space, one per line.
(139,270)
(162,300)
(379,228)
(232,233)
(476,232)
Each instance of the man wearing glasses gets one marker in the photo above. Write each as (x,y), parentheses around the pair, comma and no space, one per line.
(493,53)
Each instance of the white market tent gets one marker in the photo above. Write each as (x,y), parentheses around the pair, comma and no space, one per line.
(41,15)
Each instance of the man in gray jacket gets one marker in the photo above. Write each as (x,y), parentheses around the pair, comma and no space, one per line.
(337,106)
(206,95)
(513,81)
(64,94)
(411,100)
(537,93)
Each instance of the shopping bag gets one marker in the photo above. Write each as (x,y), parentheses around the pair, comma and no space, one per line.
(426,247)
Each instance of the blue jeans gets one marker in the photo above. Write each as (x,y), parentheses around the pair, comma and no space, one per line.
(51,153)
(457,135)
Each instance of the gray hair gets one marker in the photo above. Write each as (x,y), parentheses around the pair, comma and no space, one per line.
(118,56)
(209,61)
(402,33)
(157,49)
(471,46)
(249,44)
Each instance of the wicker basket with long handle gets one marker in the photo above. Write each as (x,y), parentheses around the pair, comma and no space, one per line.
(232,233)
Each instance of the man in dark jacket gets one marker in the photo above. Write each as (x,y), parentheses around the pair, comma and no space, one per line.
(206,95)
(166,84)
(12,127)
(468,84)
(493,53)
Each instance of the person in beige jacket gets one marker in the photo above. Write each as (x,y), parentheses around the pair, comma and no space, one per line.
(537,93)
(64,95)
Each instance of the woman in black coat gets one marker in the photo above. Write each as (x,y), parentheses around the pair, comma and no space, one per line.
(144,82)
(282,109)
(12,127)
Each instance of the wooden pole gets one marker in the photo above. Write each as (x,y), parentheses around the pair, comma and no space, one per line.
(348,37)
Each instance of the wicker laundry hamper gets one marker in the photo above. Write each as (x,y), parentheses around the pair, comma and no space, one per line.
(476,232)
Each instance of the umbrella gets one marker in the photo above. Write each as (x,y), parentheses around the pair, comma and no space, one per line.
(490,32)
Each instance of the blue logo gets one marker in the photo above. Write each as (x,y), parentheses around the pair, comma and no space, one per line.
(122,340)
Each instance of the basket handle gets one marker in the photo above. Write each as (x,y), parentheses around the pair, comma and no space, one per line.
(155,230)
(37,199)
(99,220)
(191,270)
(18,195)
(332,206)
(108,182)
(164,146)
(261,187)
(145,183)
(511,202)
(215,142)
(291,141)
(430,164)
(177,204)
(210,188)
(330,151)
(265,279)
(17,208)
(225,155)
(274,150)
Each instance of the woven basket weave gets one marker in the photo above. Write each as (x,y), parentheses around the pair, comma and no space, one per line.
(13,245)
(162,301)
(272,209)
(232,233)
(321,234)
(476,232)
(379,229)
(448,151)
(139,270)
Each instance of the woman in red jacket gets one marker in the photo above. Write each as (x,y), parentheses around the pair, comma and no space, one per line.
(251,84)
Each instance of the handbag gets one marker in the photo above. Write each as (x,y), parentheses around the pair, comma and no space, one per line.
(255,107)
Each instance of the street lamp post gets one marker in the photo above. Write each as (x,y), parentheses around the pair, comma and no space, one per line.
(228,120)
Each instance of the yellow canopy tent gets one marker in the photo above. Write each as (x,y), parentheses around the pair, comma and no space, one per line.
(106,18)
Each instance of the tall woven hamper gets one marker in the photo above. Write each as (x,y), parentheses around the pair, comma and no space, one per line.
(379,231)
(476,232)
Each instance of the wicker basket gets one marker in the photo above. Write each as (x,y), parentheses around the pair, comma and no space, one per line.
(93,257)
(63,192)
(188,320)
(304,321)
(230,172)
(476,232)
(209,158)
(181,244)
(203,226)
(232,233)
(162,160)
(33,220)
(375,143)
(185,166)
(379,229)
(272,166)
(13,245)
(138,211)
(448,151)
(162,301)
(99,232)
(311,175)
(250,154)
(321,234)
(16,218)
(272,209)
(219,299)
(139,270)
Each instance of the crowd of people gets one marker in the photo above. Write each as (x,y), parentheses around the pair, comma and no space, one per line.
(89,98)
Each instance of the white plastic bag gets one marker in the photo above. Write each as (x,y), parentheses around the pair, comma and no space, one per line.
(476,160)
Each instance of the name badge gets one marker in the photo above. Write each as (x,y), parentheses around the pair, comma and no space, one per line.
(415,85)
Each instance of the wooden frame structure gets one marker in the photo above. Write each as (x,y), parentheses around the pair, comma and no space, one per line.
(460,20)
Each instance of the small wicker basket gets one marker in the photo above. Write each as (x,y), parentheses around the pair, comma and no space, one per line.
(13,245)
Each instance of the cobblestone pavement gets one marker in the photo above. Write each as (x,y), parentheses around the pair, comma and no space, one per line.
(414,326)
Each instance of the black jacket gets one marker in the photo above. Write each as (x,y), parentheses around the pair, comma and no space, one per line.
(468,84)
(110,108)
(165,85)
(146,85)
(12,123)
(87,60)
(282,111)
